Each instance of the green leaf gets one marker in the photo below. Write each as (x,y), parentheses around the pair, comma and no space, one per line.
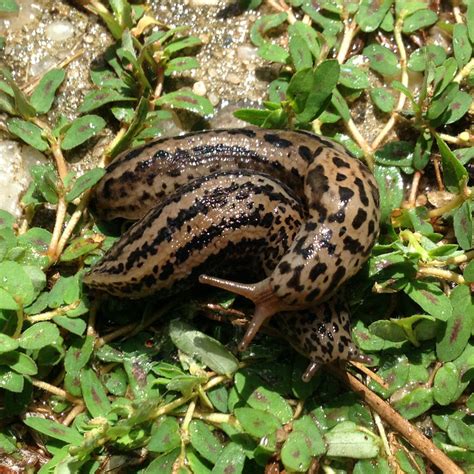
(308,426)
(94,394)
(122,12)
(85,182)
(346,439)
(422,152)
(418,20)
(340,104)
(265,24)
(97,98)
(54,429)
(469,272)
(430,297)
(295,453)
(15,280)
(353,77)
(457,108)
(79,247)
(42,97)
(371,14)
(19,362)
(182,43)
(461,45)
(10,380)
(203,441)
(440,104)
(461,434)
(444,75)
(398,153)
(454,172)
(470,21)
(219,397)
(22,105)
(28,132)
(308,35)
(458,327)
(7,104)
(382,99)
(301,56)
(165,435)
(185,99)
(45,179)
(382,60)
(7,443)
(415,402)
(446,384)
(311,90)
(78,354)
(184,63)
(391,189)
(208,350)
(271,402)
(66,290)
(420,58)
(136,124)
(230,460)
(462,223)
(81,129)
(7,343)
(39,335)
(273,52)
(35,242)
(73,325)
(257,423)
(8,6)
(163,464)
(7,301)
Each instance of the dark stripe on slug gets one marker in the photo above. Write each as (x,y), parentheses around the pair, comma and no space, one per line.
(214,199)
(276,140)
(246,132)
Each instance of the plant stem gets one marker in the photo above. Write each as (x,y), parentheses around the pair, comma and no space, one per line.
(404,80)
(362,142)
(56,391)
(76,216)
(465,257)
(20,317)
(465,71)
(394,419)
(350,30)
(453,204)
(48,315)
(58,227)
(447,275)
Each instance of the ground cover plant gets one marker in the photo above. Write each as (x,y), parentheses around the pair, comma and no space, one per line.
(85,388)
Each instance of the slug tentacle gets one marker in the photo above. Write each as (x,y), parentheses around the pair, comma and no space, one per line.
(261,294)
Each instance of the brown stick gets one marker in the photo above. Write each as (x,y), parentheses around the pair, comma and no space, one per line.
(394,419)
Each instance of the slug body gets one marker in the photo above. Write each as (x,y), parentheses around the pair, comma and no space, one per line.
(294,204)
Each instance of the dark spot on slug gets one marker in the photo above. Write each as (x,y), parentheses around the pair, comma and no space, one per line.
(359,219)
(276,140)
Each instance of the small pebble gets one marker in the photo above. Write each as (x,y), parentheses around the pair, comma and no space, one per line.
(59,31)
(199,88)
(204,3)
(233,78)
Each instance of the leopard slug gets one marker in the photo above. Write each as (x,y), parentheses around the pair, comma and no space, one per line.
(290,202)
